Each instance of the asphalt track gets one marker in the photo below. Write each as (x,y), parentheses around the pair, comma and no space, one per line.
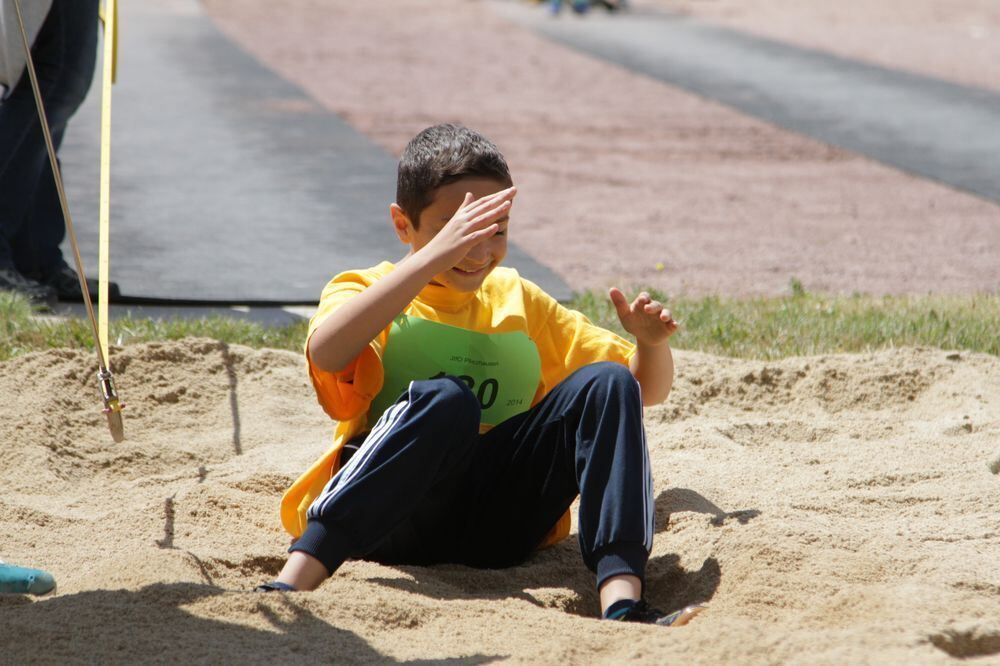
(229,184)
(922,125)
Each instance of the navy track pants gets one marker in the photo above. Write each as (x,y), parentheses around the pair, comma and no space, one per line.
(425,487)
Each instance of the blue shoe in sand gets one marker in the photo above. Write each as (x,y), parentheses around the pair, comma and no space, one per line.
(22,580)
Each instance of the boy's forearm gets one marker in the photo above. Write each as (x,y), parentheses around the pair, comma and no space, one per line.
(653,368)
(347,331)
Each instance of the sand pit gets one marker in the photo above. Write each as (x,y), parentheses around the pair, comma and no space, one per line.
(829,509)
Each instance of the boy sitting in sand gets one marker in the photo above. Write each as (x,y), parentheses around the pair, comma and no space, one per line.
(472,407)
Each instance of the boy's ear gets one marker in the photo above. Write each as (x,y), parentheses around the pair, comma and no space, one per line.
(401,223)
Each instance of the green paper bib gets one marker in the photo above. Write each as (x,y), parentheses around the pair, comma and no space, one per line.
(502,369)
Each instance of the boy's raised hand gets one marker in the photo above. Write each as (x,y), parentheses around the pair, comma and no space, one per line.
(474,221)
(646,319)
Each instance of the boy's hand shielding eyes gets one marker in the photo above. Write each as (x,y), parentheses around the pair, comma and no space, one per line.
(474,221)
(646,319)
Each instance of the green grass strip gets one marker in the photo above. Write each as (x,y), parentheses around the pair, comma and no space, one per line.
(804,324)
(22,331)
(799,324)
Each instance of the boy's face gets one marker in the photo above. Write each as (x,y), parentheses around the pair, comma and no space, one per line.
(468,273)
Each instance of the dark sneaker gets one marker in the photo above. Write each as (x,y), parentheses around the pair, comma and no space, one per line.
(67,286)
(39,294)
(640,611)
(274,586)
(22,580)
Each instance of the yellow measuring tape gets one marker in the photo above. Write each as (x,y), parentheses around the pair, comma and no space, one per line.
(108,76)
(112,405)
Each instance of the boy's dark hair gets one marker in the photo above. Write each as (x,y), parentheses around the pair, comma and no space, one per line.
(440,155)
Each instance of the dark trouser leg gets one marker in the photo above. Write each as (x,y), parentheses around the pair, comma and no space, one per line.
(43,230)
(31,224)
(20,168)
(402,480)
(585,437)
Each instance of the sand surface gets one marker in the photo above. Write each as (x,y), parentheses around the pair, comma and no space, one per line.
(833,509)
(620,173)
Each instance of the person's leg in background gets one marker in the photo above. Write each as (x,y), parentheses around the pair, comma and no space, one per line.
(31,222)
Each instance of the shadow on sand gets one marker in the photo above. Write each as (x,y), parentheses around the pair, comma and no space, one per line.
(152,624)
(668,585)
(677,500)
